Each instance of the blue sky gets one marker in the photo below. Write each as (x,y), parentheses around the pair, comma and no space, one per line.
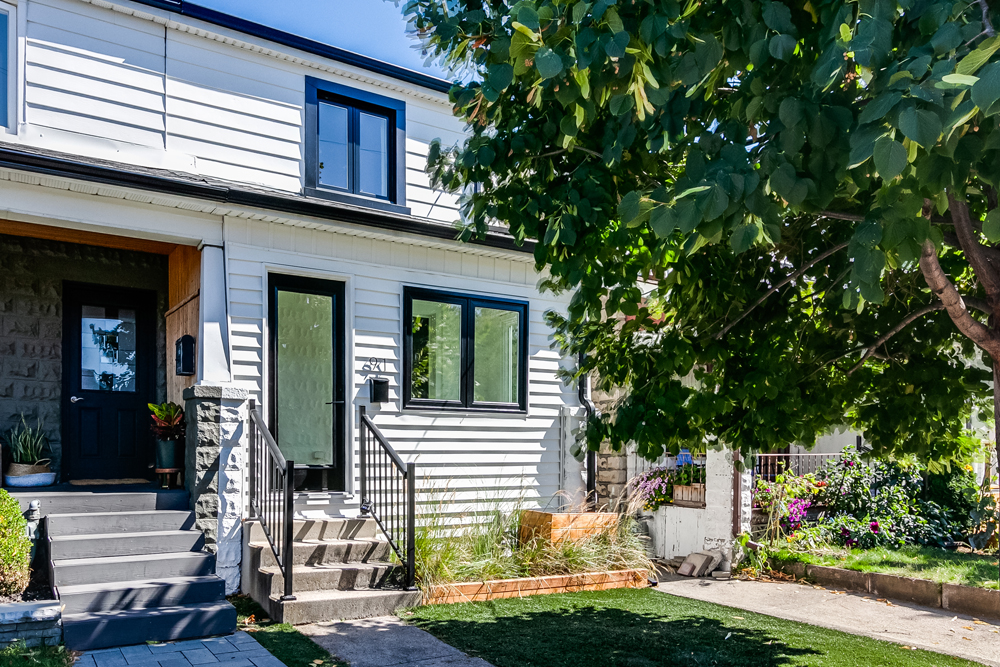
(374,28)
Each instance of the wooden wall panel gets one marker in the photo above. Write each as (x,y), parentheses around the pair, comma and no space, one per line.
(182,316)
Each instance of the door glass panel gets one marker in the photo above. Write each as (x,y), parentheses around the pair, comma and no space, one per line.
(4,50)
(305,373)
(333,145)
(107,349)
(496,355)
(373,147)
(437,350)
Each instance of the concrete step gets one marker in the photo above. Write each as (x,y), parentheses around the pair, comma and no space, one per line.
(125,544)
(105,629)
(328,551)
(323,529)
(343,577)
(316,606)
(124,595)
(89,523)
(78,571)
(77,502)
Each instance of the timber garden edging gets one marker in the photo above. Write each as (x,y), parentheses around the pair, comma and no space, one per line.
(967,600)
(480,591)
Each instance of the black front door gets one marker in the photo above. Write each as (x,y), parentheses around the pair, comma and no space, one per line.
(109,368)
(307,366)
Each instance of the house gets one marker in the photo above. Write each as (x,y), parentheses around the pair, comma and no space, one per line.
(200,209)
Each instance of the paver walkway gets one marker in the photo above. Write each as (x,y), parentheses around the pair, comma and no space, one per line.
(920,627)
(386,642)
(239,650)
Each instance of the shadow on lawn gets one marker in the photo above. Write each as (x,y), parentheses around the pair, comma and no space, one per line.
(588,636)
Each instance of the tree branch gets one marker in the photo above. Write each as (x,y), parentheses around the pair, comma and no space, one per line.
(973,250)
(794,276)
(905,322)
(991,254)
(987,25)
(939,283)
(837,215)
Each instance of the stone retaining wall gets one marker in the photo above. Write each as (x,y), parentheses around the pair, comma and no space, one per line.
(34,623)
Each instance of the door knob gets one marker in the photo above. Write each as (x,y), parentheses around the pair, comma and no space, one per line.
(75,399)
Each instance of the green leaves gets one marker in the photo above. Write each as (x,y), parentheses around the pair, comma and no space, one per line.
(986,92)
(781,46)
(548,63)
(971,63)
(920,125)
(991,226)
(743,237)
(501,76)
(615,47)
(890,158)
(663,221)
(628,208)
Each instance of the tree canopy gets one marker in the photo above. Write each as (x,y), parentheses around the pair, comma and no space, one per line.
(794,203)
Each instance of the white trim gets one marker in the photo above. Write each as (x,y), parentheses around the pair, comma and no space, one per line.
(13,65)
(267,49)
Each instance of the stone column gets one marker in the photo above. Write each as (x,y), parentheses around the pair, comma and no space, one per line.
(612,475)
(215,463)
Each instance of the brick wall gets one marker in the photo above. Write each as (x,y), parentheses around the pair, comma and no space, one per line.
(32,272)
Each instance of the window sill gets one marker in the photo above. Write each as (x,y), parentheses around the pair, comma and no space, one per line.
(457,409)
(357,200)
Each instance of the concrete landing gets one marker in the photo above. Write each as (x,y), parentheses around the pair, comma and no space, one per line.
(386,641)
(855,613)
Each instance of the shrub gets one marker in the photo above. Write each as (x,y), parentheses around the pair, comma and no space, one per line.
(15,547)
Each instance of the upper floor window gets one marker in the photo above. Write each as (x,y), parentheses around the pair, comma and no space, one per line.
(8,28)
(464,352)
(355,146)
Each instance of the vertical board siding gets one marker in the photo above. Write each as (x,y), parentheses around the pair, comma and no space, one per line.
(466,461)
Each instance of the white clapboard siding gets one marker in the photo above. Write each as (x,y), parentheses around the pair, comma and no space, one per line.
(465,460)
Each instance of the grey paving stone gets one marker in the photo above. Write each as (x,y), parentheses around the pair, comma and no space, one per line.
(235,660)
(85,660)
(201,656)
(267,661)
(255,652)
(137,654)
(105,651)
(161,649)
(189,645)
(219,645)
(110,659)
(172,661)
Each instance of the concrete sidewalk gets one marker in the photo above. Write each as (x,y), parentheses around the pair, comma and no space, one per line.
(920,627)
(386,642)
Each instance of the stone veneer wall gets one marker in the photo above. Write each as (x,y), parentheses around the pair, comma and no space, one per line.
(34,623)
(32,272)
(216,461)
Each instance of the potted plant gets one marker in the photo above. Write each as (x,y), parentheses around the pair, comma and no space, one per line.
(27,445)
(689,487)
(168,425)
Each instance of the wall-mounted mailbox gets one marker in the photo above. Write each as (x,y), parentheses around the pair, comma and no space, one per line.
(379,390)
(185,355)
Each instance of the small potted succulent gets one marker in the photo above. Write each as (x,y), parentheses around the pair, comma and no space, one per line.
(168,425)
(27,444)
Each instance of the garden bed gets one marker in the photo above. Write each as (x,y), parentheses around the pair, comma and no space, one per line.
(938,565)
(481,591)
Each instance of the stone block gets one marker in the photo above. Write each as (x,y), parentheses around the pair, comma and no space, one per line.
(976,602)
(907,589)
(840,578)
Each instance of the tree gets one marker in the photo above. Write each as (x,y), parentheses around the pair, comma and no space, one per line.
(807,191)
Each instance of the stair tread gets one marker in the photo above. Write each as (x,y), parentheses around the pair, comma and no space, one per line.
(135,584)
(124,536)
(314,543)
(132,559)
(313,567)
(334,594)
(149,611)
(88,515)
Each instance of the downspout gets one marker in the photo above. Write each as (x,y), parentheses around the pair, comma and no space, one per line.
(588,406)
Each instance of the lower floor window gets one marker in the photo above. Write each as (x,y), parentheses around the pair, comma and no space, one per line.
(464,351)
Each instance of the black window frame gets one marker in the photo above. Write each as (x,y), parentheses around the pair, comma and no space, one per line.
(356,101)
(469,303)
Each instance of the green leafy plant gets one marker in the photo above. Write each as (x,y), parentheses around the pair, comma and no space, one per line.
(168,421)
(27,443)
(15,547)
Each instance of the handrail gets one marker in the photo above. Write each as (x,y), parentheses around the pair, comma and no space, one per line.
(272,497)
(389,498)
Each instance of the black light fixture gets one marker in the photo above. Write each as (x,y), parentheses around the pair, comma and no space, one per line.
(185,355)
(379,386)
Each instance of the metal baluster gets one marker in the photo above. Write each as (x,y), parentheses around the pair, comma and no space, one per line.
(411,512)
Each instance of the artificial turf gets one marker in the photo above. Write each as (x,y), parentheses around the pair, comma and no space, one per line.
(646,628)
(281,639)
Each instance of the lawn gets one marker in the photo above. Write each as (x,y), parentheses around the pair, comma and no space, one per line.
(283,641)
(627,627)
(947,567)
(20,656)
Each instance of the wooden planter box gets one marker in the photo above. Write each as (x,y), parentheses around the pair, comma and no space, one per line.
(558,526)
(689,496)
(480,591)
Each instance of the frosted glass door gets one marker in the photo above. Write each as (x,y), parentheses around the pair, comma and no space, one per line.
(305,377)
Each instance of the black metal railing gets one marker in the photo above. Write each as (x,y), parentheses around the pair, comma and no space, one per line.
(272,482)
(387,493)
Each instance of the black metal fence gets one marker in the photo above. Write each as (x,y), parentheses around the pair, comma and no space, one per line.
(387,492)
(272,495)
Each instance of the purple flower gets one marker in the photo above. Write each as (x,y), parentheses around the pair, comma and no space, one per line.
(874,527)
